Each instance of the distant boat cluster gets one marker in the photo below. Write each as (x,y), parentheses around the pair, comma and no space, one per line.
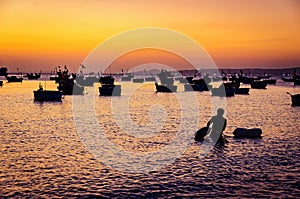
(228,85)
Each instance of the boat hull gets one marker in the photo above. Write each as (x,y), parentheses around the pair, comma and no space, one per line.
(42,95)
(86,81)
(297,82)
(14,79)
(138,80)
(150,79)
(3,71)
(165,88)
(242,91)
(270,81)
(221,92)
(69,87)
(33,76)
(295,100)
(195,87)
(259,85)
(110,90)
(287,79)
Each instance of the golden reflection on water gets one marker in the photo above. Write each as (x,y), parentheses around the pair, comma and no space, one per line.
(41,153)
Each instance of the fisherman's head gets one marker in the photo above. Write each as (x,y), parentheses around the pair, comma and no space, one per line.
(220,112)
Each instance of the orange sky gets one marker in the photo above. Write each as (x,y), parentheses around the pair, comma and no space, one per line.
(38,34)
(140,57)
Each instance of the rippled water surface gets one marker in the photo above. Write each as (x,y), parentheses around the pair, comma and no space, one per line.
(43,155)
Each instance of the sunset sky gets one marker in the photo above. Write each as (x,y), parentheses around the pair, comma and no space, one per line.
(39,35)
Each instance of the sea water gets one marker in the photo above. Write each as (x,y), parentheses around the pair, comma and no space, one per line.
(43,154)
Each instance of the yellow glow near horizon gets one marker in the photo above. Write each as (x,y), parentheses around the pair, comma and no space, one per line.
(42,33)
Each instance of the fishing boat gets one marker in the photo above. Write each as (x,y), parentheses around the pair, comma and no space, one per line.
(161,88)
(270,81)
(67,83)
(108,87)
(31,76)
(3,71)
(150,79)
(138,80)
(166,77)
(195,85)
(70,87)
(166,82)
(295,99)
(226,89)
(13,78)
(296,80)
(259,84)
(242,91)
(287,79)
(223,92)
(86,80)
(42,95)
(54,77)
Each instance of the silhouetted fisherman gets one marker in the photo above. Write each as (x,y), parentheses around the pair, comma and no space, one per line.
(218,123)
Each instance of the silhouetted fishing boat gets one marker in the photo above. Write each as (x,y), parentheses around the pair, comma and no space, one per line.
(247,80)
(242,91)
(42,95)
(195,84)
(166,82)
(165,77)
(70,87)
(108,88)
(165,88)
(226,89)
(287,79)
(259,84)
(86,80)
(138,80)
(67,83)
(54,77)
(296,80)
(270,81)
(150,79)
(223,92)
(13,78)
(31,76)
(295,99)
(3,71)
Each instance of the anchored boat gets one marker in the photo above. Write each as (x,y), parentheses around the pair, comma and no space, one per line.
(295,99)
